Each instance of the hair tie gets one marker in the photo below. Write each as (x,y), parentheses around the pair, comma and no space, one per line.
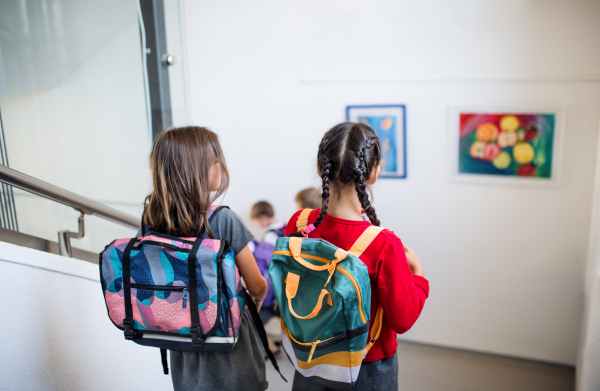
(308,230)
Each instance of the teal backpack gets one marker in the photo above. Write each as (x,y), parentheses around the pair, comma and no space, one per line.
(324,296)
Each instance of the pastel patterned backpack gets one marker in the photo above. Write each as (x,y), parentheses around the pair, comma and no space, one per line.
(324,296)
(175,293)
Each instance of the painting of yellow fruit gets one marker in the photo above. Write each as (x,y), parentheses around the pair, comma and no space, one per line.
(487,132)
(502,161)
(509,123)
(523,153)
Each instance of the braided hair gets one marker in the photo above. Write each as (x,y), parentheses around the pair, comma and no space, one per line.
(361,175)
(348,154)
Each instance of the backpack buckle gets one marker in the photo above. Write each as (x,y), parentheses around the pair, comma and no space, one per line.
(197,340)
(128,329)
(298,224)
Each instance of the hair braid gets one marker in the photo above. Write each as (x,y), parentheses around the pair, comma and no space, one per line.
(360,184)
(325,195)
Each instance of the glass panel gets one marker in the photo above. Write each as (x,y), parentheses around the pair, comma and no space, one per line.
(73,99)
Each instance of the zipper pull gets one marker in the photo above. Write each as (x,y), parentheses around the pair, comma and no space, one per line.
(312,350)
(186,295)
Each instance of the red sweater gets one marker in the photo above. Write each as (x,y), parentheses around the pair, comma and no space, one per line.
(393,286)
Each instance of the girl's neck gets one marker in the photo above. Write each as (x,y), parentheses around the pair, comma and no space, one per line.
(344,203)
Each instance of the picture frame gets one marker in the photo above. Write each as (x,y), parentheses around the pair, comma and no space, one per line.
(513,146)
(389,122)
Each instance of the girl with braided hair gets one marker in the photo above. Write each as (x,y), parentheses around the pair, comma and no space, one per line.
(348,163)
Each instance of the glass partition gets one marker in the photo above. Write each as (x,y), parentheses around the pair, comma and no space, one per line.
(74,108)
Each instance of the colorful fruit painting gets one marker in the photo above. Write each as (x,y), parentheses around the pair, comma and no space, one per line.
(506,144)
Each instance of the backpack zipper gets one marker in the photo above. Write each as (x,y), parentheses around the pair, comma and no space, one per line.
(312,350)
(149,287)
(340,269)
(186,296)
(169,288)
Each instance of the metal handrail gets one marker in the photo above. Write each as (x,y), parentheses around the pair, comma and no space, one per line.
(79,203)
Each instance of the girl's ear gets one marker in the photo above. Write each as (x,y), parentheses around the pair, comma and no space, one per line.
(318,171)
(214,175)
(374,175)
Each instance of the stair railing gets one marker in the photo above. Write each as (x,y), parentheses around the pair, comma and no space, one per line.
(84,205)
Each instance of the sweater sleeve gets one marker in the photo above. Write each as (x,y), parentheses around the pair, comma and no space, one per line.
(400,294)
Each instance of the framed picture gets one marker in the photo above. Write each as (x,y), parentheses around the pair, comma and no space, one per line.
(510,146)
(389,122)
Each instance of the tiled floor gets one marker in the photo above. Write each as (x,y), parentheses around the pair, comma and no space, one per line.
(429,368)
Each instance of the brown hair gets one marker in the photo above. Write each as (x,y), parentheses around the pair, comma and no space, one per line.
(181,162)
(262,208)
(309,198)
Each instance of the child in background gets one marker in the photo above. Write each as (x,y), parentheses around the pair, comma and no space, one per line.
(309,198)
(187,167)
(348,162)
(264,215)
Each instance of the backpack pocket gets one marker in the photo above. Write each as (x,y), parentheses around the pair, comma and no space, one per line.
(162,308)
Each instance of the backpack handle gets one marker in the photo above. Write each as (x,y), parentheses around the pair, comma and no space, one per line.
(291,288)
(295,245)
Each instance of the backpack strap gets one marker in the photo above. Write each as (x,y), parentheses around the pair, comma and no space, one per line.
(359,247)
(377,323)
(198,339)
(128,325)
(364,240)
(163,359)
(302,221)
(260,329)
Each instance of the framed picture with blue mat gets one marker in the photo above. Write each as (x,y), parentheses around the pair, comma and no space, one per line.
(389,122)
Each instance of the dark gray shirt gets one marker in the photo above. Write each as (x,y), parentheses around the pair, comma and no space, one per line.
(226,225)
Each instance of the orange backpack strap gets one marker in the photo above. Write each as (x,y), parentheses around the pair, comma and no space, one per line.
(376,329)
(365,240)
(302,221)
(359,247)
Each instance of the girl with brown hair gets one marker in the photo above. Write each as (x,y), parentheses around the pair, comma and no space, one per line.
(189,173)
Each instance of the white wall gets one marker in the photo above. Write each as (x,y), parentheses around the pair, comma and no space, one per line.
(506,264)
(56,334)
(588,361)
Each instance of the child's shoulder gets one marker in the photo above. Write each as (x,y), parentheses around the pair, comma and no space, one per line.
(390,237)
(386,241)
(224,217)
(291,224)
